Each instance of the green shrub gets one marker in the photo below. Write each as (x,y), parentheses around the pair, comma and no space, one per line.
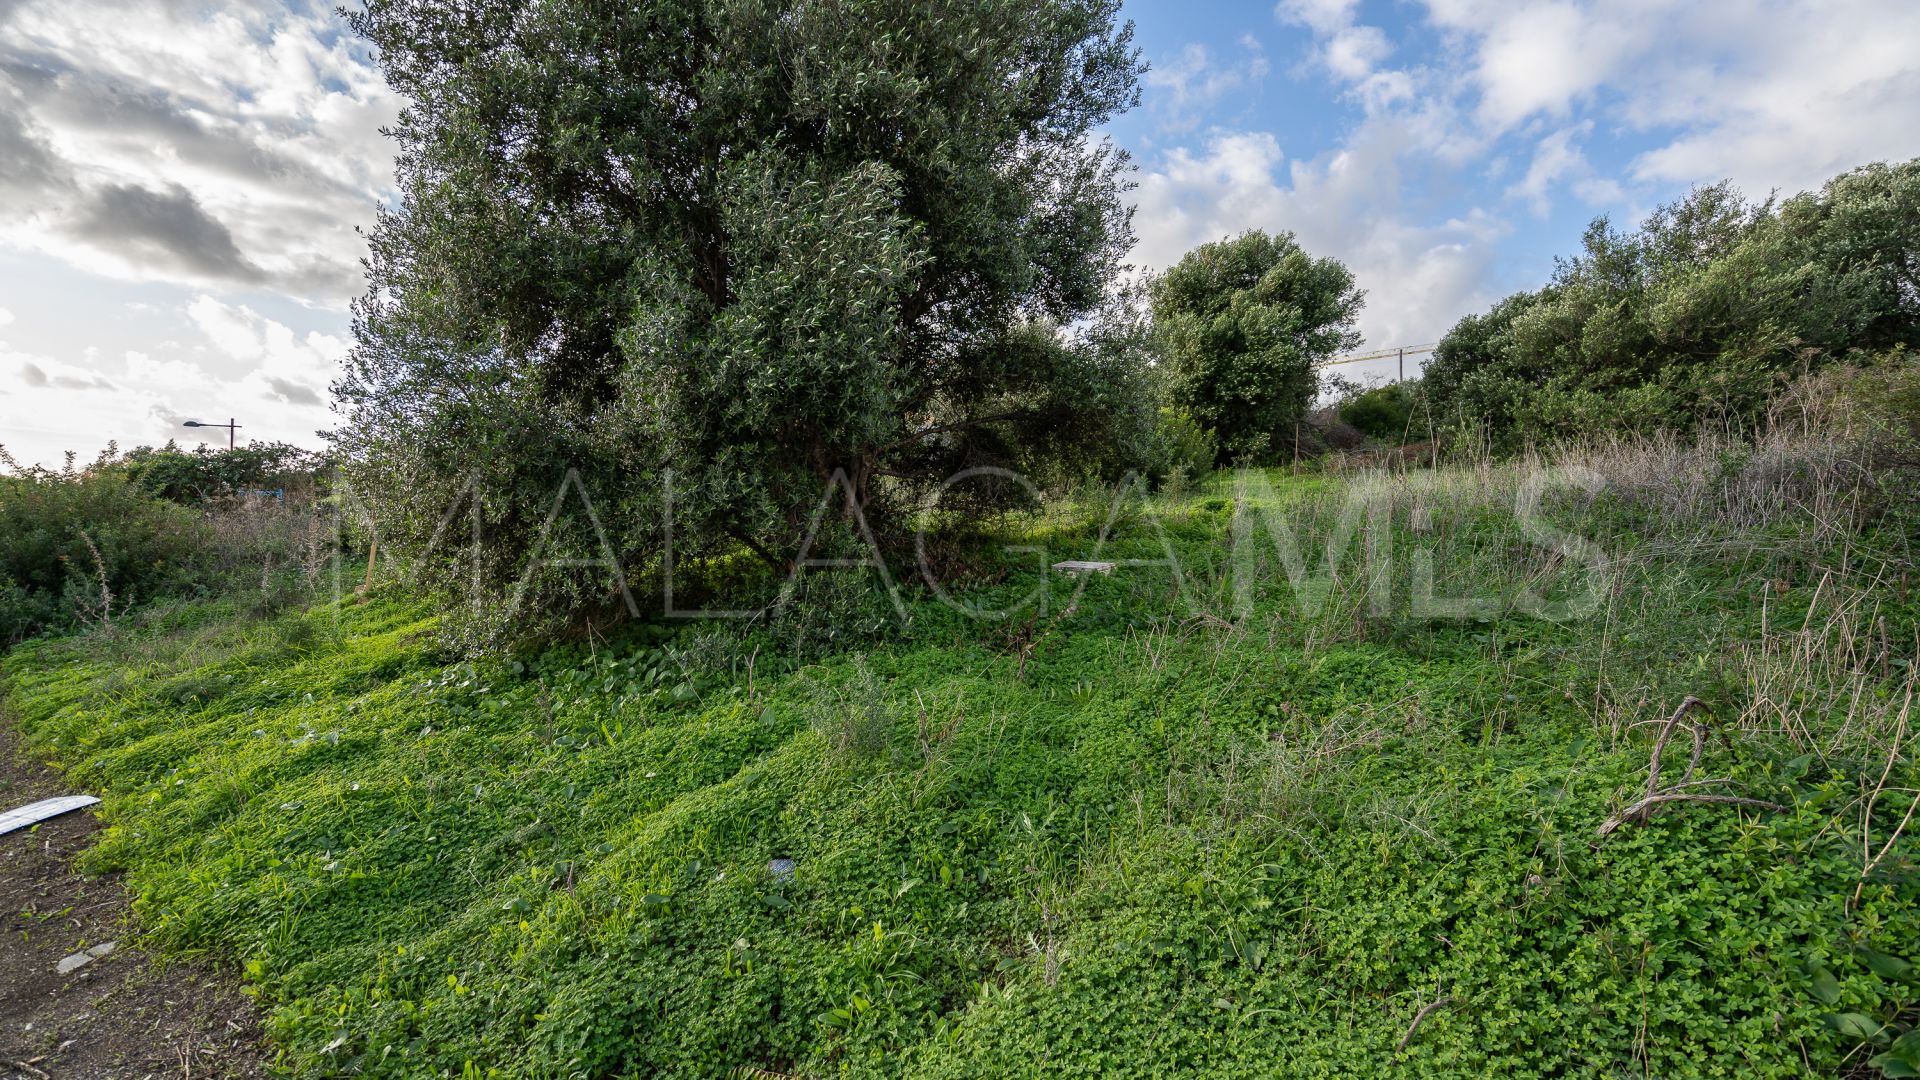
(86,545)
(1389,413)
(206,474)
(1183,450)
(1699,317)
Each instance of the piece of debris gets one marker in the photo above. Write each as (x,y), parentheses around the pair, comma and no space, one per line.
(1083,566)
(37,812)
(84,957)
(781,869)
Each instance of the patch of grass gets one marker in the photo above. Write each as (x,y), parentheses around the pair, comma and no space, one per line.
(1159,825)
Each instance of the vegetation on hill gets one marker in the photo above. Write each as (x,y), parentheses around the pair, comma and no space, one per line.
(86,546)
(1697,318)
(1268,815)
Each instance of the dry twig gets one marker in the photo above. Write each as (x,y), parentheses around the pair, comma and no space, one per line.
(1420,1018)
(1639,811)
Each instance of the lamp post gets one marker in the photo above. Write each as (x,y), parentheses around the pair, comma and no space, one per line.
(229,425)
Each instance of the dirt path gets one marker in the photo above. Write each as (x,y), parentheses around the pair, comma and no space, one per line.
(122,1016)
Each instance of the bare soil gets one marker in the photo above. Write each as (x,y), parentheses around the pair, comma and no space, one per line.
(125,1016)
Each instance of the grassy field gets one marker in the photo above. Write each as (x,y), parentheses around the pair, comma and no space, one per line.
(1208,823)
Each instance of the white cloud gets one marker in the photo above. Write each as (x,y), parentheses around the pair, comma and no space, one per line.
(1177,89)
(1322,16)
(227,143)
(1558,160)
(1771,93)
(1350,51)
(247,365)
(1540,58)
(281,366)
(6,316)
(45,373)
(1420,277)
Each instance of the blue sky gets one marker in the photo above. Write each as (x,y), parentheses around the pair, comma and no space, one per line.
(181,183)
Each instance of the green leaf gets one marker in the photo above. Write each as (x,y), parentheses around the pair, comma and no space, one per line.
(1857,1026)
(1825,986)
(1895,1063)
(1887,967)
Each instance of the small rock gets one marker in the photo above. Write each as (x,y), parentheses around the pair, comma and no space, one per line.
(81,959)
(780,868)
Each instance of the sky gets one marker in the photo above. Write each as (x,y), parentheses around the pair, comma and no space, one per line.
(183,182)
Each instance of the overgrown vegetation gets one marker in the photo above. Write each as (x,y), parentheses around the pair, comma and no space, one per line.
(1695,319)
(86,546)
(1266,816)
(206,476)
(1589,752)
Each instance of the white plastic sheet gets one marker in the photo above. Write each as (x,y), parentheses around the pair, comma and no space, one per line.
(34,813)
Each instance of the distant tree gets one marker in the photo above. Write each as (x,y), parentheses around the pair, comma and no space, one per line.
(1698,316)
(1390,413)
(206,473)
(1241,324)
(751,243)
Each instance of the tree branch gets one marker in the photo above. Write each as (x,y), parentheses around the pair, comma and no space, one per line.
(955,426)
(1638,809)
(776,564)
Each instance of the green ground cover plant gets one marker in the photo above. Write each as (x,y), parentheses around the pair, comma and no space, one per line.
(1231,822)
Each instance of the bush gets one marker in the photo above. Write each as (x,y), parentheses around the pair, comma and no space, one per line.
(1389,413)
(1183,450)
(205,474)
(84,545)
(1874,406)
(1698,318)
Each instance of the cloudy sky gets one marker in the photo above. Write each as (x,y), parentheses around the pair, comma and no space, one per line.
(181,181)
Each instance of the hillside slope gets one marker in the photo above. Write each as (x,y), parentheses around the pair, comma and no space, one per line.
(1167,827)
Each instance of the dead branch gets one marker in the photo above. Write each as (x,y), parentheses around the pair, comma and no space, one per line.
(1666,732)
(1637,812)
(1420,1018)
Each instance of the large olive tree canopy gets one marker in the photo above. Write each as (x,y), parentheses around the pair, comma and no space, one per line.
(752,243)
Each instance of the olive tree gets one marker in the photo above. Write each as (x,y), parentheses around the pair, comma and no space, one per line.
(687,264)
(1242,324)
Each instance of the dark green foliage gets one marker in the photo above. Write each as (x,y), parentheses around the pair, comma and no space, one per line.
(750,244)
(85,545)
(206,474)
(1186,451)
(1241,323)
(1698,318)
(89,546)
(1393,413)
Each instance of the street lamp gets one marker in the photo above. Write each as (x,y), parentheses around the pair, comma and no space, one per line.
(229,425)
